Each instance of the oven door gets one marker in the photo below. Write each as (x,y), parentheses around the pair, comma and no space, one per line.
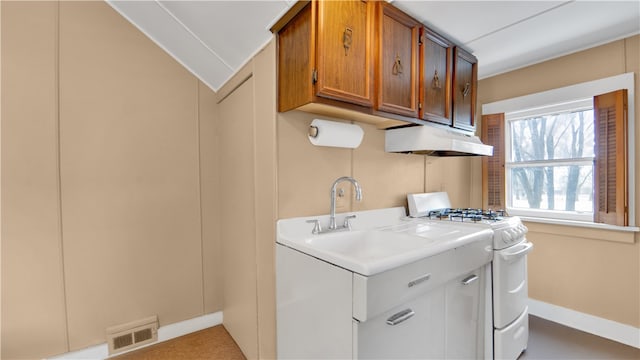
(510,283)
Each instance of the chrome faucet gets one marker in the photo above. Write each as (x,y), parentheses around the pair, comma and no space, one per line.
(332,213)
(317,228)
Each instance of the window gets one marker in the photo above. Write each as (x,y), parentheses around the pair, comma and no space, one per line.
(561,159)
(549,162)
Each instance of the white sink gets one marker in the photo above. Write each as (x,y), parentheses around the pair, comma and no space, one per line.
(380,239)
(366,245)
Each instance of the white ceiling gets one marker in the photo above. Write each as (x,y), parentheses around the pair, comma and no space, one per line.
(215,38)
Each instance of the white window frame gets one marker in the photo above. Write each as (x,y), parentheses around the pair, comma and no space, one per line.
(577,105)
(559,97)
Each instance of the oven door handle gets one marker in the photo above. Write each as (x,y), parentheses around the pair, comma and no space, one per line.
(519,250)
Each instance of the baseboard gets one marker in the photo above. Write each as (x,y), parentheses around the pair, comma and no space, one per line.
(622,333)
(165,333)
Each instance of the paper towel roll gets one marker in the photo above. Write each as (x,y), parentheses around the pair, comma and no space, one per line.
(336,134)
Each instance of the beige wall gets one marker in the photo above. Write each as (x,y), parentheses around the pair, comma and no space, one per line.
(33,299)
(306,172)
(266,200)
(248,177)
(595,272)
(247,128)
(109,180)
(238,218)
(210,199)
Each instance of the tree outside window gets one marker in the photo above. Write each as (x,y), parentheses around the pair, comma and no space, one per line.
(550,162)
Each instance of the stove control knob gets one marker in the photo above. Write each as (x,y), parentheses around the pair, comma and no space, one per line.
(506,237)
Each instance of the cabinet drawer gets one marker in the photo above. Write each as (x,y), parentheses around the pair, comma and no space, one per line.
(419,337)
(376,294)
(512,340)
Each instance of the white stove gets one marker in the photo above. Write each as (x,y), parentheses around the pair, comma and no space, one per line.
(508,230)
(509,266)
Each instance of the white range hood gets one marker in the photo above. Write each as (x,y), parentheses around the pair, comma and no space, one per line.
(434,141)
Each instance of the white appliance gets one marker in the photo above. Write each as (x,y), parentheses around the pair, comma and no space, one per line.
(509,267)
(435,141)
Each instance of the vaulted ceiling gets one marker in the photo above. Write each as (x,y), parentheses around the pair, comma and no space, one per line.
(215,38)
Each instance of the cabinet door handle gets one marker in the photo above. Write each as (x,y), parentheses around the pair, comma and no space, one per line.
(466,90)
(469,279)
(347,39)
(435,83)
(397,66)
(403,315)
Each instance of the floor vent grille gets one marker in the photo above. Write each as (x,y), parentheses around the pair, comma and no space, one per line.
(142,335)
(132,335)
(122,341)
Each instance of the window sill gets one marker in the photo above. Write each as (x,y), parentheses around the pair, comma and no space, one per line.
(581,229)
(581,224)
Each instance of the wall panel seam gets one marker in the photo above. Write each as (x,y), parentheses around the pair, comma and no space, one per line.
(352,172)
(624,55)
(199,142)
(424,174)
(59,172)
(255,202)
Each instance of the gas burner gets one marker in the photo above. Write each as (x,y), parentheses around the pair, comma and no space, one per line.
(466,214)
(438,215)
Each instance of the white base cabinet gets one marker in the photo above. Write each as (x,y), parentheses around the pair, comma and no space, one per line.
(418,337)
(313,307)
(434,308)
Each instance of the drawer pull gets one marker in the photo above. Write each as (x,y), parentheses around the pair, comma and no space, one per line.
(400,317)
(419,280)
(469,279)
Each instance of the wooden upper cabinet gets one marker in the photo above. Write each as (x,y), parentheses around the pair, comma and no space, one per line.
(465,78)
(435,77)
(396,62)
(345,39)
(295,65)
(369,61)
(326,51)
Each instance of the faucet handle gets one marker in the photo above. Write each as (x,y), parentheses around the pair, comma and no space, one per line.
(317,229)
(347,224)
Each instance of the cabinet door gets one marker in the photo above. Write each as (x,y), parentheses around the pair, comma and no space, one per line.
(344,51)
(435,75)
(313,307)
(419,336)
(295,65)
(463,320)
(397,65)
(464,89)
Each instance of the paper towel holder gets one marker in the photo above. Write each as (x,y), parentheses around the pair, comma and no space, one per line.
(313,131)
(334,134)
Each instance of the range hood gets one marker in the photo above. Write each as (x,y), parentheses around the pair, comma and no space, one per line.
(434,141)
